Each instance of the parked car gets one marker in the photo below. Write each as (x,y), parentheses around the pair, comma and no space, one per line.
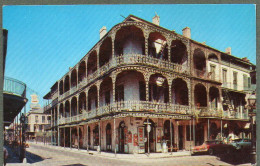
(26,145)
(213,147)
(240,144)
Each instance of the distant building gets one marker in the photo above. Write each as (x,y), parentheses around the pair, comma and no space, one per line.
(142,85)
(38,120)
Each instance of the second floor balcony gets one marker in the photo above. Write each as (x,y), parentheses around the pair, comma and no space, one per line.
(128,106)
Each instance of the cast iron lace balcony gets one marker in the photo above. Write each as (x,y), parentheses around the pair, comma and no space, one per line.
(128,106)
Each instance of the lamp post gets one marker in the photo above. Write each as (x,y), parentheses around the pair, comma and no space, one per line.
(22,120)
(252,113)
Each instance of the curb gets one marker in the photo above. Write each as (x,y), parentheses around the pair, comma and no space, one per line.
(94,153)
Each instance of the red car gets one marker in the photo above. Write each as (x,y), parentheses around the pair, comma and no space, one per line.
(212,147)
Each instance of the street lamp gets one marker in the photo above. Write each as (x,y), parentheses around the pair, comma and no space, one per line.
(252,113)
(22,150)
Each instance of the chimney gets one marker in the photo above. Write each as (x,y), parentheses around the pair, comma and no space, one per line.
(156,19)
(245,59)
(186,32)
(228,50)
(102,31)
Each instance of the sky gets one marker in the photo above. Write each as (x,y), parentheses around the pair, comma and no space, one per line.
(44,41)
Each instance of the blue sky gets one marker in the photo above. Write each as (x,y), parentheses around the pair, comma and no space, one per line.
(44,41)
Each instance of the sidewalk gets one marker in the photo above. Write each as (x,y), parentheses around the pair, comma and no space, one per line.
(118,155)
(13,158)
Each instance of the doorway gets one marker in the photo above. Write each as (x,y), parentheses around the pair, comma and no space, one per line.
(151,140)
(108,137)
(121,134)
(180,129)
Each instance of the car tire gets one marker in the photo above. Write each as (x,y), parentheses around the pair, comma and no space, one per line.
(211,151)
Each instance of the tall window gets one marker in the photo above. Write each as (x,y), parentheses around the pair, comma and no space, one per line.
(49,119)
(249,82)
(245,81)
(224,76)
(235,79)
(36,119)
(43,119)
(212,70)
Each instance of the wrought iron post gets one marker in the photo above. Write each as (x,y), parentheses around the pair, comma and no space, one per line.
(171,133)
(115,134)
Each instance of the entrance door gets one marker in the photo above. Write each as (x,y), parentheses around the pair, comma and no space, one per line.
(180,128)
(108,137)
(152,136)
(121,134)
(167,133)
(199,134)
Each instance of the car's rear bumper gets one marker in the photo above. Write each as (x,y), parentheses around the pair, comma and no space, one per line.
(199,151)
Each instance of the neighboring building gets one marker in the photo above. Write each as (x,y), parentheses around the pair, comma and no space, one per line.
(140,74)
(14,91)
(38,120)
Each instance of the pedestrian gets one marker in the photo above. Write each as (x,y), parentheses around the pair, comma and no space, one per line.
(5,155)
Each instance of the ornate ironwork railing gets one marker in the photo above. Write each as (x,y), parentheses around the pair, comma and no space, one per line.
(206,75)
(82,82)
(235,115)
(14,86)
(128,59)
(73,89)
(128,106)
(66,94)
(151,61)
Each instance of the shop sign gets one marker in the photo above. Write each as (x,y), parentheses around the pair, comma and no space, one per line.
(129,137)
(135,140)
(141,137)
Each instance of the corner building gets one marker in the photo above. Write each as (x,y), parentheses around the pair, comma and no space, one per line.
(138,75)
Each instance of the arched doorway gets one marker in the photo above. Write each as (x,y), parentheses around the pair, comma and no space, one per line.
(108,137)
(151,141)
(121,137)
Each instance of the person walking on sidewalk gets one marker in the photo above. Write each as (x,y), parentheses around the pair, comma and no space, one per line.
(5,155)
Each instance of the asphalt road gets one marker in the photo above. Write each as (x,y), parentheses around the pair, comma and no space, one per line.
(40,155)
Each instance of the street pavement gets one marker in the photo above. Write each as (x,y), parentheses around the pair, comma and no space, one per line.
(39,154)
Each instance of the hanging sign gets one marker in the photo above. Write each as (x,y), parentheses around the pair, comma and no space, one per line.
(141,137)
